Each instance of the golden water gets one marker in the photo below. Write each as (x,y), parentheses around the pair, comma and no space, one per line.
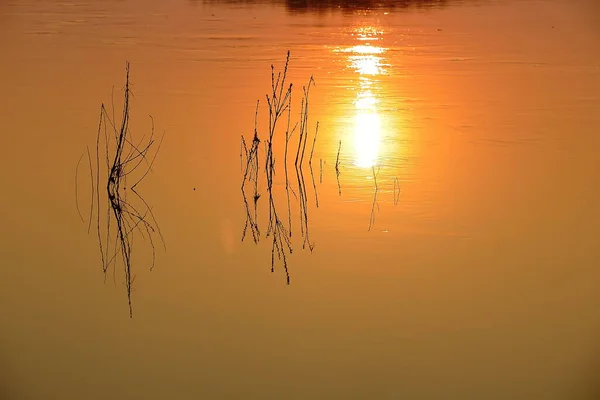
(476,280)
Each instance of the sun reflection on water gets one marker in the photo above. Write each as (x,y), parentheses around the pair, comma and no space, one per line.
(367,136)
(366,60)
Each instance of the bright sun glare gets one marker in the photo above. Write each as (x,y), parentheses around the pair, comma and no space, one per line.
(365,60)
(367,135)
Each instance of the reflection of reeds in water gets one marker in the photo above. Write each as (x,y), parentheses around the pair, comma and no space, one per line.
(372,219)
(123,160)
(278,101)
(251,174)
(396,191)
(93,189)
(251,219)
(298,163)
(312,176)
(321,170)
(288,135)
(337,168)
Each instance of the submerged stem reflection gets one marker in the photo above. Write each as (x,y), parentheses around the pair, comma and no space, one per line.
(279,101)
(375,204)
(122,219)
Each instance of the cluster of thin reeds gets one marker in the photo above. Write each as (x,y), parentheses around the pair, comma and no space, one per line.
(303,198)
(279,102)
(127,164)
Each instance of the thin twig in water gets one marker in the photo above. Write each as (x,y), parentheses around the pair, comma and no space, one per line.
(312,150)
(251,171)
(337,160)
(310,165)
(251,174)
(250,221)
(277,106)
(303,210)
(337,168)
(312,177)
(92,188)
(372,219)
(243,153)
(396,191)
(77,190)
(320,170)
(303,123)
(298,164)
(288,135)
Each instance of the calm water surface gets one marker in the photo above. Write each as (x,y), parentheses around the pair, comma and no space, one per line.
(456,259)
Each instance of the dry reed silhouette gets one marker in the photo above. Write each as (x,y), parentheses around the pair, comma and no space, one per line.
(127,164)
(251,155)
(279,101)
(303,133)
(337,168)
(312,176)
(288,135)
(251,174)
(251,219)
(372,218)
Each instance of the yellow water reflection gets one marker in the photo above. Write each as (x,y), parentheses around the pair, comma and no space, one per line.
(366,60)
(367,130)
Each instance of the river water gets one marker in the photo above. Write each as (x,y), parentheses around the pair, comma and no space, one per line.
(445,235)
